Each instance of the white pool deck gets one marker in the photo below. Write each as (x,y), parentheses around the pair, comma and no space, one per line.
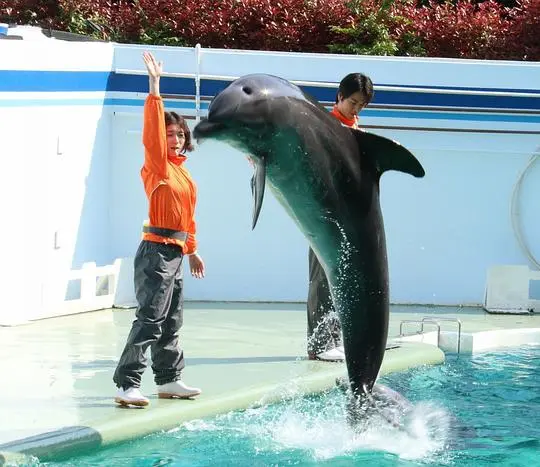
(57,390)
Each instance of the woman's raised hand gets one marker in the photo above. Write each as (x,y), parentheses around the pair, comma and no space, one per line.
(154,67)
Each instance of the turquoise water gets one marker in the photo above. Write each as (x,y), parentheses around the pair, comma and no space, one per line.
(471,411)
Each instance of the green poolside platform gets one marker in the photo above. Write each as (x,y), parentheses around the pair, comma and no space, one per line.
(57,391)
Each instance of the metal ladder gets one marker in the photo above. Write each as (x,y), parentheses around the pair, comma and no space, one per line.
(435,322)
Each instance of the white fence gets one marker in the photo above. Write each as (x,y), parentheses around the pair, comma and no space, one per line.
(86,289)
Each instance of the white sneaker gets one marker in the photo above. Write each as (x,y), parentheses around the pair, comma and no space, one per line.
(130,396)
(341,349)
(177,390)
(332,355)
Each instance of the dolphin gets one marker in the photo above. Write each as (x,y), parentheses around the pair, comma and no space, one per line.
(326,176)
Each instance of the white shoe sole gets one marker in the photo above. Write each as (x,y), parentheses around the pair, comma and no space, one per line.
(127,402)
(327,359)
(171,395)
(324,357)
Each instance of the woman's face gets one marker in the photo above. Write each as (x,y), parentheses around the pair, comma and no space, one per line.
(175,140)
(352,105)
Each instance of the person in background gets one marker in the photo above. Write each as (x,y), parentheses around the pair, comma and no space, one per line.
(323,327)
(167,238)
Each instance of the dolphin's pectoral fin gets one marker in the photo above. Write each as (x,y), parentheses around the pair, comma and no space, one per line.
(387,154)
(257,188)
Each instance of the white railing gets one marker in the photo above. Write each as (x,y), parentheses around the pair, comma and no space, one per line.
(99,287)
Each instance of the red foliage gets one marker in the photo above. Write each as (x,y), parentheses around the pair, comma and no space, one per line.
(120,16)
(463,30)
(29,11)
(294,25)
(524,33)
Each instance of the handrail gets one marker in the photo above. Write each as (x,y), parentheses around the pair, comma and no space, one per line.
(417,321)
(456,320)
(435,322)
(198,83)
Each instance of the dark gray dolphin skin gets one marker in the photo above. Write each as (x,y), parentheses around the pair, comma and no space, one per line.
(326,176)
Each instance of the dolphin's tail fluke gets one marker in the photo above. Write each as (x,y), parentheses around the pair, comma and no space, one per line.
(381,402)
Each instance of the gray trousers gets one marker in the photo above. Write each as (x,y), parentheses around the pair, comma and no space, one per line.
(159,317)
(323,326)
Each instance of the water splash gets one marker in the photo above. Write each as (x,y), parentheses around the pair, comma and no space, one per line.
(317,426)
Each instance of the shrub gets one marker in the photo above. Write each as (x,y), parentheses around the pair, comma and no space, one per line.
(291,25)
(378,28)
(29,11)
(524,31)
(456,28)
(465,29)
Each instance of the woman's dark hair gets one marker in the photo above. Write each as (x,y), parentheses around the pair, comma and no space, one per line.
(172,118)
(355,82)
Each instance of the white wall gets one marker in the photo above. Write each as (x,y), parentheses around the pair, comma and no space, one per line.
(56,145)
(443,231)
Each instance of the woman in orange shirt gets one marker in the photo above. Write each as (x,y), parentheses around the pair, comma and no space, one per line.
(323,329)
(167,237)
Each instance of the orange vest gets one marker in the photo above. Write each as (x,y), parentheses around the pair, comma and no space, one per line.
(171,192)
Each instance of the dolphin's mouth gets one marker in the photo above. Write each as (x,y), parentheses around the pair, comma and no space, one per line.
(206,129)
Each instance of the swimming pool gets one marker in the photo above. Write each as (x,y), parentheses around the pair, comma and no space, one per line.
(471,411)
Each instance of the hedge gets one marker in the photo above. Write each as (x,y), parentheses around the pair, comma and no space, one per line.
(460,28)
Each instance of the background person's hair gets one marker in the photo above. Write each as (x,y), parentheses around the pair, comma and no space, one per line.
(355,82)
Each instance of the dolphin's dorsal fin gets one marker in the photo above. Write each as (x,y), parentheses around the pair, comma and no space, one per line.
(386,154)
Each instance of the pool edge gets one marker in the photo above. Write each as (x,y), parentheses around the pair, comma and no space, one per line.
(132,424)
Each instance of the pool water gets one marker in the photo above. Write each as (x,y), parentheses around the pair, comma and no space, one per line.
(471,411)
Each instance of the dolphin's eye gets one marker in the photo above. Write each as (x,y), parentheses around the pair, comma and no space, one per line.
(247,90)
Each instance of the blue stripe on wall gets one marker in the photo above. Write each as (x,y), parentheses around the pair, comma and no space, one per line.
(173,103)
(457,100)
(139,83)
(170,103)
(52,81)
(463,88)
(66,81)
(369,113)
(212,87)
(465,116)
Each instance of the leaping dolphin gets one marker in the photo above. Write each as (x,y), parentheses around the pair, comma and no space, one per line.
(326,176)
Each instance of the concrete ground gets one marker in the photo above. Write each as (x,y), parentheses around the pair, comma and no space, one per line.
(57,390)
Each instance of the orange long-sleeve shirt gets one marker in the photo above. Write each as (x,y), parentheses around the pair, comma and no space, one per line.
(171,192)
